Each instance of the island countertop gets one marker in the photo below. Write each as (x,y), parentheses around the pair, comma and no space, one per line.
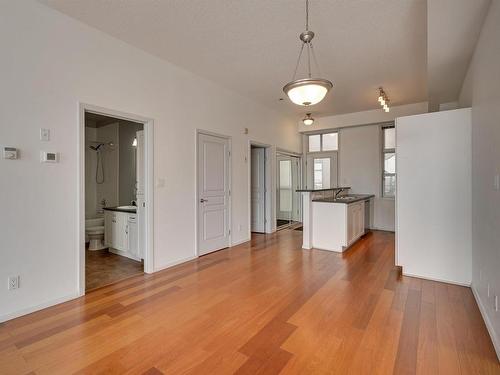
(319,190)
(352,199)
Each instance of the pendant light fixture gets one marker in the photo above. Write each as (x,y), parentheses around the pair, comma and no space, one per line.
(308,120)
(307,91)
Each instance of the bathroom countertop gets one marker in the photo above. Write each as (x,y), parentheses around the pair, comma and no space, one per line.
(119,209)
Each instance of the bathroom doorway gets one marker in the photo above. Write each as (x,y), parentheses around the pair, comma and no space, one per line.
(115,173)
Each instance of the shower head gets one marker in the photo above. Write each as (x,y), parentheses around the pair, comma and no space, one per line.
(96,148)
(101,145)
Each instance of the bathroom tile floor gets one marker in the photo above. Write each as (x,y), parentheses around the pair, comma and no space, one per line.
(103,268)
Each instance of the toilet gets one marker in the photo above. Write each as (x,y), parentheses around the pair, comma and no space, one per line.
(94,232)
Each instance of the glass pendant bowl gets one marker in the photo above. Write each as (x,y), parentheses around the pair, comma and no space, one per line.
(308,120)
(307,91)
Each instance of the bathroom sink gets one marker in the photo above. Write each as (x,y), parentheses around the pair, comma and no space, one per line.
(127,207)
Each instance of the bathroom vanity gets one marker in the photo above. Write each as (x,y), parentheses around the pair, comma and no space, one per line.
(121,231)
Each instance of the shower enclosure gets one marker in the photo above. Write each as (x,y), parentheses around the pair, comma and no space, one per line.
(288,210)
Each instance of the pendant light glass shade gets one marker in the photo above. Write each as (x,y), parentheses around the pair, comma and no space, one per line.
(308,120)
(307,91)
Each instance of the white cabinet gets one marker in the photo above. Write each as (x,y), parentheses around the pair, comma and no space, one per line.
(120,233)
(355,221)
(336,226)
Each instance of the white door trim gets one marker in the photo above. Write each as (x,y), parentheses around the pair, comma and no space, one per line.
(149,186)
(197,197)
(268,175)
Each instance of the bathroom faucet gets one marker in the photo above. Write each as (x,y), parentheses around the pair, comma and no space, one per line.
(103,202)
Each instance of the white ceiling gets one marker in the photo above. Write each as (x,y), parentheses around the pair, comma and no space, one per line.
(251,46)
(453,31)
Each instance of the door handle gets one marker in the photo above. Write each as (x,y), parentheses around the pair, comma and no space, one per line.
(203,200)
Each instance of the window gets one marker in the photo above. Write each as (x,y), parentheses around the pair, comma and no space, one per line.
(389,160)
(321,173)
(323,142)
(315,143)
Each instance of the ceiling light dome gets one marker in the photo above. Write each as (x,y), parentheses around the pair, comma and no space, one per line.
(308,120)
(307,91)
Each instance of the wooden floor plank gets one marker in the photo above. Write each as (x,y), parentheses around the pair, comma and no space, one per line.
(263,307)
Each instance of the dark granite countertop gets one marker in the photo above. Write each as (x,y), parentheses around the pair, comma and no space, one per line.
(355,198)
(118,209)
(315,190)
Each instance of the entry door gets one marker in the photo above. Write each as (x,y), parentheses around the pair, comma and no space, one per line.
(322,170)
(258,192)
(213,193)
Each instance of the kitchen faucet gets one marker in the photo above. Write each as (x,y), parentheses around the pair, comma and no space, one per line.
(337,192)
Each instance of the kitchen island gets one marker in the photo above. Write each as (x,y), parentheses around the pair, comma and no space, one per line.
(333,220)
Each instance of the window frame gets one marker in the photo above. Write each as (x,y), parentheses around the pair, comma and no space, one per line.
(384,152)
(321,142)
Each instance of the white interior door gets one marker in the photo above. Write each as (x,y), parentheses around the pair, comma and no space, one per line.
(258,192)
(322,170)
(213,193)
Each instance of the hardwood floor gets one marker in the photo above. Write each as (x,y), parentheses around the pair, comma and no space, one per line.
(103,268)
(264,307)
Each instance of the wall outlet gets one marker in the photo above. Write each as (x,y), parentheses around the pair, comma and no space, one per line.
(496,303)
(488,290)
(13,282)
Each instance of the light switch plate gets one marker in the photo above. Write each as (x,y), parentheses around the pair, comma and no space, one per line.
(45,134)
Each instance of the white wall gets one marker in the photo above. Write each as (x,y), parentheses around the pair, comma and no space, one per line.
(50,63)
(110,156)
(127,164)
(481,91)
(90,181)
(433,164)
(364,117)
(360,167)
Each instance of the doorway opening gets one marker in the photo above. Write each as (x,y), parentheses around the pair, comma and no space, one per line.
(260,188)
(288,202)
(115,188)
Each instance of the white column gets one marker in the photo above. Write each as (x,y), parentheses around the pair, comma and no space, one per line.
(307,220)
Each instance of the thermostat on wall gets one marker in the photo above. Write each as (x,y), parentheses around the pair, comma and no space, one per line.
(10,153)
(49,157)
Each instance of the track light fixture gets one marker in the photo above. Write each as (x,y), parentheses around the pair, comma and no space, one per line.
(383,99)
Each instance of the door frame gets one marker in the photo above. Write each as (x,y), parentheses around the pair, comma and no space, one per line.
(300,178)
(321,155)
(196,192)
(148,188)
(268,177)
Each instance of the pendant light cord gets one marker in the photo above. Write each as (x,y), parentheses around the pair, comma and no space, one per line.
(307,15)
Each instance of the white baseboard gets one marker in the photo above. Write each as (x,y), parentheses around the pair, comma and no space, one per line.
(489,326)
(31,309)
(436,279)
(175,263)
(240,242)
